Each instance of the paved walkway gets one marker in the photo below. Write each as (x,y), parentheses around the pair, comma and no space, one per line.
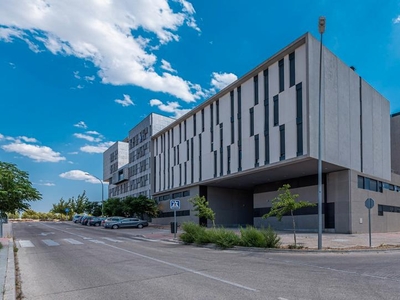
(7,265)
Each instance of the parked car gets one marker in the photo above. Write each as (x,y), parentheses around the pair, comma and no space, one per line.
(126,223)
(86,219)
(96,221)
(111,219)
(76,218)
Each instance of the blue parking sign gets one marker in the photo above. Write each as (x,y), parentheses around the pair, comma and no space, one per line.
(175,204)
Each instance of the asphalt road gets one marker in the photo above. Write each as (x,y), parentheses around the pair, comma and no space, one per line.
(69,261)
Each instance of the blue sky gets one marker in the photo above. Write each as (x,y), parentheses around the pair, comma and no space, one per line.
(77,75)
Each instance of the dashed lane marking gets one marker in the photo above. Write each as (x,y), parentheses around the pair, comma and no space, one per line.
(50,243)
(25,244)
(73,242)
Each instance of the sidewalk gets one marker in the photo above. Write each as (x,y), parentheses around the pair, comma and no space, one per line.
(7,265)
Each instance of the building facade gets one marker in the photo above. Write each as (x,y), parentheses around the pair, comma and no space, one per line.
(127,164)
(238,147)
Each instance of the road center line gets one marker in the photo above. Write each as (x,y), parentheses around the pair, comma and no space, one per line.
(167,263)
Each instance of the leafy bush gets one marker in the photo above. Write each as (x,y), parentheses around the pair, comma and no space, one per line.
(272,240)
(192,233)
(224,238)
(1,245)
(252,237)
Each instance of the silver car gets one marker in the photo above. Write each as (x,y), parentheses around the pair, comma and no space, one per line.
(126,223)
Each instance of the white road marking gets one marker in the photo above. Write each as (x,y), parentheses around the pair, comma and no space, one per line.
(25,244)
(50,243)
(112,240)
(97,242)
(73,242)
(46,233)
(166,263)
(280,298)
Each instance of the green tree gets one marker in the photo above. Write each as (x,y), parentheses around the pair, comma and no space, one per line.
(114,207)
(93,208)
(16,190)
(80,205)
(140,206)
(201,206)
(286,203)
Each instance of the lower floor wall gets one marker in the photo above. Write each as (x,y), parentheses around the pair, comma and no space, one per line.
(343,205)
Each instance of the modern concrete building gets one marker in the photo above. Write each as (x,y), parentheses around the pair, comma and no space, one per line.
(127,164)
(242,144)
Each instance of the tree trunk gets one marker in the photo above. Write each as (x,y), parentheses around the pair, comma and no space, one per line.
(294,229)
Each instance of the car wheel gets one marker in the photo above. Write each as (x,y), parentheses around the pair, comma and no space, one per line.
(140,226)
(114,227)
(96,224)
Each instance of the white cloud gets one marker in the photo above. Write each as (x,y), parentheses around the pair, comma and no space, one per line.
(46,183)
(89,78)
(170,107)
(167,66)
(1,137)
(107,33)
(76,75)
(27,139)
(79,175)
(73,153)
(81,124)
(100,148)
(221,80)
(126,102)
(93,132)
(397,20)
(87,137)
(37,153)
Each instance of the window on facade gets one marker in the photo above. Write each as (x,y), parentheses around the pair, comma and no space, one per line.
(256,151)
(186,193)
(192,161)
(215,163)
(282,141)
(239,102)
(211,116)
(360,182)
(187,150)
(217,116)
(228,153)
(276,110)
(184,129)
(281,75)
(172,137)
(373,185)
(180,175)
(185,173)
(240,158)
(180,133)
(200,158)
(221,161)
(177,154)
(255,79)
(299,118)
(251,121)
(232,118)
(292,71)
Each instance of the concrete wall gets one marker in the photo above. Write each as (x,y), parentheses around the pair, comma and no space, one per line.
(346,99)
(232,207)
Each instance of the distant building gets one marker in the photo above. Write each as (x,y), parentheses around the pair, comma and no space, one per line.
(238,147)
(127,164)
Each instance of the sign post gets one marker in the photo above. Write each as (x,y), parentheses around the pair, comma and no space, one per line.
(66,212)
(369,203)
(175,205)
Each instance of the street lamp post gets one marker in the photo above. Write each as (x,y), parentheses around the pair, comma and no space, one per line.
(102,192)
(321,29)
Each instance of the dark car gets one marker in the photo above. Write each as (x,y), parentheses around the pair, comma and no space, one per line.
(126,223)
(111,219)
(86,219)
(76,218)
(96,221)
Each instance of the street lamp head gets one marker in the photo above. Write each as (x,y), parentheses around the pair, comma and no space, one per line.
(321,24)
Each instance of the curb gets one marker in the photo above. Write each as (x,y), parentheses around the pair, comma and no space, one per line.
(9,286)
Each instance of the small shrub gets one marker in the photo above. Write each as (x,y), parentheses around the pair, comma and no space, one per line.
(192,233)
(252,237)
(1,245)
(272,240)
(293,246)
(224,238)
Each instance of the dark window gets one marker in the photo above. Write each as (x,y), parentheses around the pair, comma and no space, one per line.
(292,72)
(186,193)
(177,154)
(202,120)
(299,118)
(200,161)
(256,90)
(215,163)
(185,173)
(187,150)
(360,182)
(232,118)
(276,110)
(266,85)
(239,101)
(266,137)
(192,161)
(221,161)
(252,121)
(156,146)
(221,134)
(228,150)
(217,116)
(180,175)
(366,183)
(281,76)
(176,195)
(172,137)
(256,151)
(184,129)
(373,185)
(239,158)
(211,116)
(282,141)
(194,124)
(174,156)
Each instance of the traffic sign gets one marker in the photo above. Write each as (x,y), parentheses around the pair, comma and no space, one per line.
(369,203)
(175,204)
(67,210)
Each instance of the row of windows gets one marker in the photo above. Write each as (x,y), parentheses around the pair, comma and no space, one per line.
(114,156)
(375,185)
(140,152)
(387,208)
(138,168)
(172,196)
(114,167)
(138,138)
